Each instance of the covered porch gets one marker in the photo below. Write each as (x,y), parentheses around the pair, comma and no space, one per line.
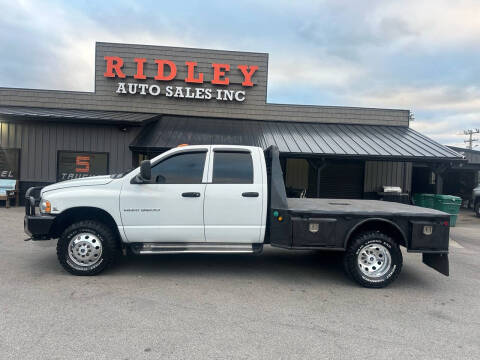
(318,160)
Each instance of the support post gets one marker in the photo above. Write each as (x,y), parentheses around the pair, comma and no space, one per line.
(439,170)
(438,183)
(317,165)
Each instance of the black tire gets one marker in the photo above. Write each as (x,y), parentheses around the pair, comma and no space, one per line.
(477,209)
(109,247)
(352,268)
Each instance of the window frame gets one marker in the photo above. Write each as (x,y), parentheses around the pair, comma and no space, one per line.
(180,153)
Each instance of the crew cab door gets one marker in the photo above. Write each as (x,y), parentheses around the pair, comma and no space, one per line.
(234,197)
(170,207)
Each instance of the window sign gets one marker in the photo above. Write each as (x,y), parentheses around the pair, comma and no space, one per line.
(9,163)
(74,165)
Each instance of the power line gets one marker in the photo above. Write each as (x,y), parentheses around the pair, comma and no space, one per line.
(471,139)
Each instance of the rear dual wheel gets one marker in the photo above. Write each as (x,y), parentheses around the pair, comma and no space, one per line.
(373,260)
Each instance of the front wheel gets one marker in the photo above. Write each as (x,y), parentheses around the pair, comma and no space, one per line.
(373,260)
(87,248)
(477,209)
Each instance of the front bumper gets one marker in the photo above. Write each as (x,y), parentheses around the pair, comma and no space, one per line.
(38,227)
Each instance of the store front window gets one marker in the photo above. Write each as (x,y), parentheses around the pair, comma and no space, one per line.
(9,163)
(74,165)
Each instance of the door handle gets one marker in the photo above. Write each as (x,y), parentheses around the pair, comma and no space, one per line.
(250,194)
(191,194)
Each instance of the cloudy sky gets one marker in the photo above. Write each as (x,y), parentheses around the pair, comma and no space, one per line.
(407,54)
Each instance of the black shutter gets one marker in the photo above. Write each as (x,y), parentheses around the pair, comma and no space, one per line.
(342,179)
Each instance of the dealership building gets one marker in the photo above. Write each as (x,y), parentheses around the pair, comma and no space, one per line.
(148,99)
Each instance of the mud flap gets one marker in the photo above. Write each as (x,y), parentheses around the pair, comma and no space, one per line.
(438,262)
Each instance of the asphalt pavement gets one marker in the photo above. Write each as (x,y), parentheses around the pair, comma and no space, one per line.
(278,305)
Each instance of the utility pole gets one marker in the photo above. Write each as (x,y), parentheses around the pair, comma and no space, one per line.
(470,139)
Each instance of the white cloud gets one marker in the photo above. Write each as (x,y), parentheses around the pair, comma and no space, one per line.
(448,129)
(436,23)
(69,39)
(451,98)
(287,70)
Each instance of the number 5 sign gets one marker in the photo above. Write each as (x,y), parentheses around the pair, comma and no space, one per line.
(73,165)
(83,164)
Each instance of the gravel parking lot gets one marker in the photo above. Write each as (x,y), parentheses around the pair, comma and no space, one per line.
(278,305)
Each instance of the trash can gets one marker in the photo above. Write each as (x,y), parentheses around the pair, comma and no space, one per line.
(417,199)
(449,204)
(429,200)
(424,200)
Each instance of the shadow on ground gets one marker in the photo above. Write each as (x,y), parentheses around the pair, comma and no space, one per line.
(280,265)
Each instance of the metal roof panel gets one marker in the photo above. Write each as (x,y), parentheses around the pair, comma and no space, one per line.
(343,140)
(75,114)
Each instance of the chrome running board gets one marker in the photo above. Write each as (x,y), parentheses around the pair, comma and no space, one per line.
(196,248)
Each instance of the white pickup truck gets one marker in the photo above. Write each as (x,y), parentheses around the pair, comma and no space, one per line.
(225,199)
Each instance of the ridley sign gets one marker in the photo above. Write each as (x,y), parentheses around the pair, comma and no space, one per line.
(167,71)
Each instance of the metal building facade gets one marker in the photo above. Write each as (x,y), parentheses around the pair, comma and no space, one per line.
(254,107)
(40,123)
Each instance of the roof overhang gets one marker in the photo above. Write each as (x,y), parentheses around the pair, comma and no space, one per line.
(375,142)
(17,113)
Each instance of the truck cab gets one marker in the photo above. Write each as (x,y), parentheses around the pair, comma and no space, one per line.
(214,194)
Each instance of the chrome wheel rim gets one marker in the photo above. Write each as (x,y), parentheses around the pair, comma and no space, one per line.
(374,260)
(85,249)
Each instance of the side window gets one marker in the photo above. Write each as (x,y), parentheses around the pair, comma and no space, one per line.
(231,167)
(186,168)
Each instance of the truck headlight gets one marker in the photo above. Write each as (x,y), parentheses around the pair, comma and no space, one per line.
(45,206)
